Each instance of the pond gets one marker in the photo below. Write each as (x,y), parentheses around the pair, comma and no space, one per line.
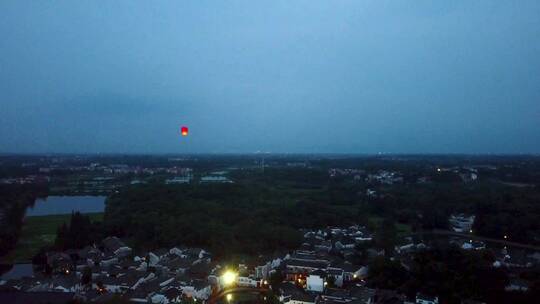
(67,204)
(18,271)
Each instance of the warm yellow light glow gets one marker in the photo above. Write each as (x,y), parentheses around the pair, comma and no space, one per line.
(229,278)
(229,297)
(355,276)
(265,282)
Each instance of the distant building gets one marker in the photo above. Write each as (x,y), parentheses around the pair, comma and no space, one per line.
(179,180)
(215,179)
(461,222)
(371,193)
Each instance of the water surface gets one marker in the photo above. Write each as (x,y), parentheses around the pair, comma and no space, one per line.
(18,271)
(66,205)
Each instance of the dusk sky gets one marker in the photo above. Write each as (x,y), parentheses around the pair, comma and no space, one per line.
(273,76)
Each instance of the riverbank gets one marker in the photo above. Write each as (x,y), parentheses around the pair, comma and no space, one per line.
(39,231)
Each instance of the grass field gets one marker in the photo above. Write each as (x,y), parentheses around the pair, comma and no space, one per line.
(38,231)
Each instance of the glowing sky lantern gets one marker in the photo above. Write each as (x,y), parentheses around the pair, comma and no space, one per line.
(184,130)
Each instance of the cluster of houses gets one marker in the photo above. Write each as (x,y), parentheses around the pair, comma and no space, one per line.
(319,270)
(180,175)
(97,273)
(466,174)
(29,179)
(186,179)
(387,177)
(384,177)
(115,169)
(356,173)
(323,270)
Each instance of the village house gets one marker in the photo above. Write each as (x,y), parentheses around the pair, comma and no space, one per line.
(461,222)
(291,294)
(426,299)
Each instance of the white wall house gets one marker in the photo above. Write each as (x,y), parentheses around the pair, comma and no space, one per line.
(315,283)
(246,282)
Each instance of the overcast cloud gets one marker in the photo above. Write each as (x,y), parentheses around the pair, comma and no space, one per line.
(277,76)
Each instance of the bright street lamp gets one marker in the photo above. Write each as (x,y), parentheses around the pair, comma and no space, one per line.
(229,278)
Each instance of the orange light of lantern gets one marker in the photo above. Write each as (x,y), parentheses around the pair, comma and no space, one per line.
(184,131)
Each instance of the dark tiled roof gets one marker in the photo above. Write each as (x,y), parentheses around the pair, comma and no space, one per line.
(302,263)
(112,243)
(296,293)
(347,267)
(178,263)
(302,296)
(385,296)
(319,272)
(199,284)
(334,272)
(36,297)
(172,293)
(335,292)
(361,293)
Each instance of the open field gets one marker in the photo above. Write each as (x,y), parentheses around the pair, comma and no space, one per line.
(39,231)
(402,229)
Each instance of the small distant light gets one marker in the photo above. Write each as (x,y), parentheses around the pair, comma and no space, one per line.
(265,282)
(355,276)
(438,169)
(470,231)
(505,237)
(325,283)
